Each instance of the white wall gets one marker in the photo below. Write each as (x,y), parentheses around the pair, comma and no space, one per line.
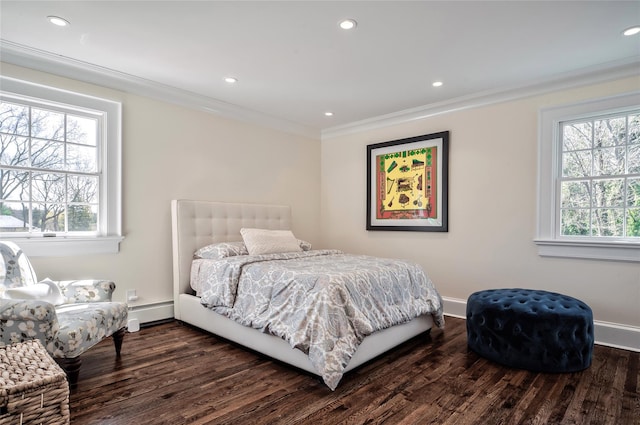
(492,209)
(172,152)
(175,152)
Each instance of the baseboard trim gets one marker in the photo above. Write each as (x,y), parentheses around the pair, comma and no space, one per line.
(616,335)
(455,307)
(150,313)
(609,334)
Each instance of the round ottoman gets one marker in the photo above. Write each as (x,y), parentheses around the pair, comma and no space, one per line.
(527,329)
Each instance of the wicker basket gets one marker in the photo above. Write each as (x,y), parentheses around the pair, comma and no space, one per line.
(33,388)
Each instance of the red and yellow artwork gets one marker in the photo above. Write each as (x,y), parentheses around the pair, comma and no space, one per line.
(406,184)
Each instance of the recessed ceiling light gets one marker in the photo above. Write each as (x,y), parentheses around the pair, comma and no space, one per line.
(231,80)
(437,84)
(348,24)
(328,114)
(631,31)
(56,20)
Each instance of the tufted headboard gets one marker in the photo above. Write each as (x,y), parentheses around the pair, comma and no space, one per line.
(195,224)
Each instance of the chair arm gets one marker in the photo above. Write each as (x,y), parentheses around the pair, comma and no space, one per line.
(22,320)
(86,291)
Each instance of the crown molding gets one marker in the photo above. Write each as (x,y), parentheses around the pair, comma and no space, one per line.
(40,60)
(63,66)
(606,72)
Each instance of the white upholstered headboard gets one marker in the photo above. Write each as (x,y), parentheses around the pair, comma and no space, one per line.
(195,224)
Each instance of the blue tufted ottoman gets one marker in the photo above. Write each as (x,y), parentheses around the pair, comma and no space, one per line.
(528,329)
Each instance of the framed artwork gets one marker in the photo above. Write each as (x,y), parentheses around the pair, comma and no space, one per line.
(407,184)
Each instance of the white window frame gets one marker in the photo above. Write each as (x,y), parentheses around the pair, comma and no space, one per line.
(548,239)
(110,232)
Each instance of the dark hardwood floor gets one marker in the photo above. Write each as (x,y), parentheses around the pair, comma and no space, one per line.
(175,374)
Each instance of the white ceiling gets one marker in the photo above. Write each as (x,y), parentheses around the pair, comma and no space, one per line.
(294,63)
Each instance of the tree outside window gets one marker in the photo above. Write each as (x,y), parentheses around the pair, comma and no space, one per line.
(49,172)
(589,179)
(600,177)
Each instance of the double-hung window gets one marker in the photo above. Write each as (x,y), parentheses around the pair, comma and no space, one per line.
(589,180)
(59,170)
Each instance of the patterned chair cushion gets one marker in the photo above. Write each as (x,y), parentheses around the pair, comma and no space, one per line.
(86,291)
(23,320)
(84,325)
(79,316)
(15,267)
(66,331)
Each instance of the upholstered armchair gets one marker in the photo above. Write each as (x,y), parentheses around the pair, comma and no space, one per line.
(68,317)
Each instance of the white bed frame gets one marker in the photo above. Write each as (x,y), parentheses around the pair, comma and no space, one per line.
(199,223)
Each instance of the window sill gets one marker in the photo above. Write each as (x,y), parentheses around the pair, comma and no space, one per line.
(612,251)
(68,246)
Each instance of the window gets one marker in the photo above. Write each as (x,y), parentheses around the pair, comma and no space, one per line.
(59,170)
(589,180)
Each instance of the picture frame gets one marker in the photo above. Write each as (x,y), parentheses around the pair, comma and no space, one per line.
(408,184)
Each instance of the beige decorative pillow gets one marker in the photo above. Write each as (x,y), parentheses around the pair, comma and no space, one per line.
(46,290)
(263,241)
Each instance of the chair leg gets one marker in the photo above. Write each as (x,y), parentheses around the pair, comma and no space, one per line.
(118,336)
(71,366)
(72,369)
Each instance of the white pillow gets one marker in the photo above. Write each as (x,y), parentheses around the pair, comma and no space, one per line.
(263,241)
(219,251)
(46,290)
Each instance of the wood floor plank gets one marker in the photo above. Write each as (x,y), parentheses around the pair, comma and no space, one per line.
(175,374)
(631,396)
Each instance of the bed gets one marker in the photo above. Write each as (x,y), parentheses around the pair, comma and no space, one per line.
(196,224)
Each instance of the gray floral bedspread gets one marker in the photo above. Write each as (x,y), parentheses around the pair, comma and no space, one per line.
(323,302)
